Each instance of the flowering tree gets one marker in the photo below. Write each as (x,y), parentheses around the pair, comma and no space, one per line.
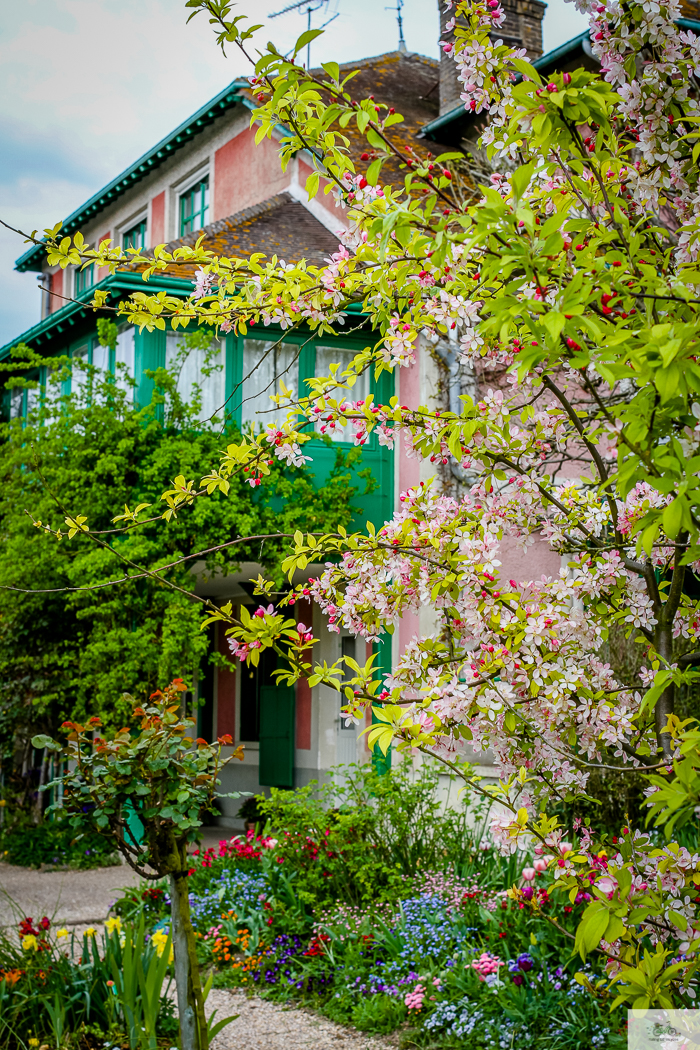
(569,287)
(147,791)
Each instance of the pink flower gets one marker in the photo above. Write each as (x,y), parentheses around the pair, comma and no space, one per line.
(606,884)
(540,864)
(529,874)
(414,999)
(486,965)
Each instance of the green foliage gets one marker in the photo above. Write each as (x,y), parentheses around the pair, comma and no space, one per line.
(153,772)
(54,843)
(79,995)
(358,962)
(359,837)
(147,792)
(676,798)
(378,1013)
(67,652)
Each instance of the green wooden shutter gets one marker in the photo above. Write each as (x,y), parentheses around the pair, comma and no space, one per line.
(149,353)
(277,736)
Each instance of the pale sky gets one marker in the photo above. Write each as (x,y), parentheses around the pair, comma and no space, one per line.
(87,86)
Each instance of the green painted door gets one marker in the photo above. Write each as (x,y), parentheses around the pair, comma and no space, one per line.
(277,711)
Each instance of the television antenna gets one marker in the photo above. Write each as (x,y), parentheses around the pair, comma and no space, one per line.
(308,7)
(402,43)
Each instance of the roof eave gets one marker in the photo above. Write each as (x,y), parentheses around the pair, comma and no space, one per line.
(543,62)
(157,155)
(76,310)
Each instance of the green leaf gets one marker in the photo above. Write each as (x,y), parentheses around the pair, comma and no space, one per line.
(312,184)
(375,140)
(521,179)
(306,37)
(591,929)
(672,518)
(40,741)
(527,70)
(373,171)
(332,69)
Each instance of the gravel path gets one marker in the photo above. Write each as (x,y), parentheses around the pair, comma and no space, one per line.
(74,898)
(263,1025)
(67,897)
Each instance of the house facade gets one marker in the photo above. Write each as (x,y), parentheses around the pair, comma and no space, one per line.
(208,177)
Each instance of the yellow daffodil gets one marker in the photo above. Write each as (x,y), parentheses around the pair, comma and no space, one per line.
(160,939)
(113,924)
(30,943)
(32,1042)
(63,932)
(90,932)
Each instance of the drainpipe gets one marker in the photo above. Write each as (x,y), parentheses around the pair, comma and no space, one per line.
(448,352)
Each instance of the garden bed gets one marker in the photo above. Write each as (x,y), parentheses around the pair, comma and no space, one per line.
(390,915)
(369,905)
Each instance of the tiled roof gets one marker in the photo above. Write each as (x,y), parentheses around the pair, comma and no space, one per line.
(279,226)
(408,82)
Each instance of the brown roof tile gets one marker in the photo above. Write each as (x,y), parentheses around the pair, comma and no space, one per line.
(278,226)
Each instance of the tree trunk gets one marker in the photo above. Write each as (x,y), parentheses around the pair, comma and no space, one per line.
(665,704)
(190,1000)
(39,803)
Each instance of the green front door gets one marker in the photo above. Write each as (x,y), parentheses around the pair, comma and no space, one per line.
(276,736)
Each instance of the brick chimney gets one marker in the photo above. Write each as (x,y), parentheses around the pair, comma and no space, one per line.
(522,28)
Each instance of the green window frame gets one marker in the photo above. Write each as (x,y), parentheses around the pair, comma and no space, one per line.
(136,236)
(301,353)
(84,279)
(194,207)
(376,505)
(92,353)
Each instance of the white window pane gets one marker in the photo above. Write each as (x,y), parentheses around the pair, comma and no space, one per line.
(16,402)
(264,364)
(124,359)
(79,360)
(100,357)
(33,400)
(334,355)
(200,374)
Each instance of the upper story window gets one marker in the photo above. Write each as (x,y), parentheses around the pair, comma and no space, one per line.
(80,359)
(125,358)
(17,402)
(194,207)
(84,279)
(136,236)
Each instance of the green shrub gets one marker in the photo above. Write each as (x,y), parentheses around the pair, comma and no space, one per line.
(55,842)
(358,838)
(378,1013)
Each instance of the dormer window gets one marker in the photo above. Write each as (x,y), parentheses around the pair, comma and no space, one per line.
(135,237)
(194,207)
